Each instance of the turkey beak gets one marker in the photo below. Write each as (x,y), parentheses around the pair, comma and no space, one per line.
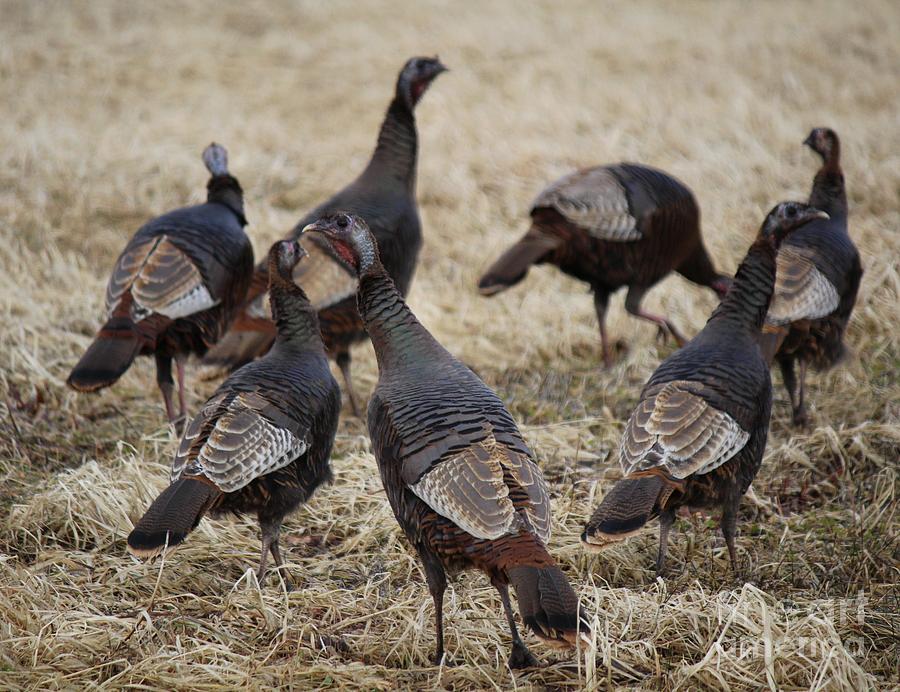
(300,250)
(439,67)
(312,228)
(810,214)
(809,140)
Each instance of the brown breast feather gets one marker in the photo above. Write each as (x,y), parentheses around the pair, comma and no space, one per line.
(802,292)
(678,432)
(470,489)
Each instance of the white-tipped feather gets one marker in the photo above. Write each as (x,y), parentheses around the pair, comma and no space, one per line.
(195,300)
(593,200)
(241,447)
(680,432)
(802,292)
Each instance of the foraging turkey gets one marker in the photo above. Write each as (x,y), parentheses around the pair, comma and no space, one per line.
(385,196)
(613,226)
(697,435)
(262,442)
(174,289)
(818,277)
(461,480)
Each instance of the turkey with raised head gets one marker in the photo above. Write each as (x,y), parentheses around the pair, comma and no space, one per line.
(384,195)
(174,289)
(461,480)
(816,283)
(697,435)
(613,226)
(262,441)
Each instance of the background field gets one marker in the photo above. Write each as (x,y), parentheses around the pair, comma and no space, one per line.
(104,110)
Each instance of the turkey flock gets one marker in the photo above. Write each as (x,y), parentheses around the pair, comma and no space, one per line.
(462,482)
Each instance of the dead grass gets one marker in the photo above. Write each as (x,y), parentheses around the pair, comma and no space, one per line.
(105,109)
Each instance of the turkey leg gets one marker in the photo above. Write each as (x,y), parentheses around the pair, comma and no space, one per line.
(729,528)
(666,519)
(343,362)
(520,657)
(437,584)
(601,301)
(665,327)
(182,412)
(800,410)
(165,383)
(270,529)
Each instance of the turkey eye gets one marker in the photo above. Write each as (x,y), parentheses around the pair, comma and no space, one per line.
(342,222)
(791,212)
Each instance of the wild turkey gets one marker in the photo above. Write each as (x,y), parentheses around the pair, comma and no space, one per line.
(698,433)
(261,443)
(461,480)
(613,226)
(174,289)
(385,196)
(816,283)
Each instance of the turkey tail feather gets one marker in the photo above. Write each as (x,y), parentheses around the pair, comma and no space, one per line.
(108,358)
(512,265)
(624,510)
(548,604)
(171,517)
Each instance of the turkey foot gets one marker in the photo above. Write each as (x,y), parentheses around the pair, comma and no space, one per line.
(665,329)
(521,657)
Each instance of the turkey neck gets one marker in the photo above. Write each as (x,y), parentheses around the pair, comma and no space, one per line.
(828,191)
(395,153)
(747,302)
(398,337)
(296,321)
(226,190)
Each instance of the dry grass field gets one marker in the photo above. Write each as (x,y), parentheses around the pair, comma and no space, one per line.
(104,110)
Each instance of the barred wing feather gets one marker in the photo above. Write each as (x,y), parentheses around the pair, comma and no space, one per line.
(242,444)
(680,432)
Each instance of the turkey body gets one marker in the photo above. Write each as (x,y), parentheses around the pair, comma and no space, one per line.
(826,249)
(463,485)
(174,289)
(385,196)
(723,368)
(262,442)
(460,479)
(212,238)
(818,278)
(294,391)
(698,433)
(624,225)
(715,394)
